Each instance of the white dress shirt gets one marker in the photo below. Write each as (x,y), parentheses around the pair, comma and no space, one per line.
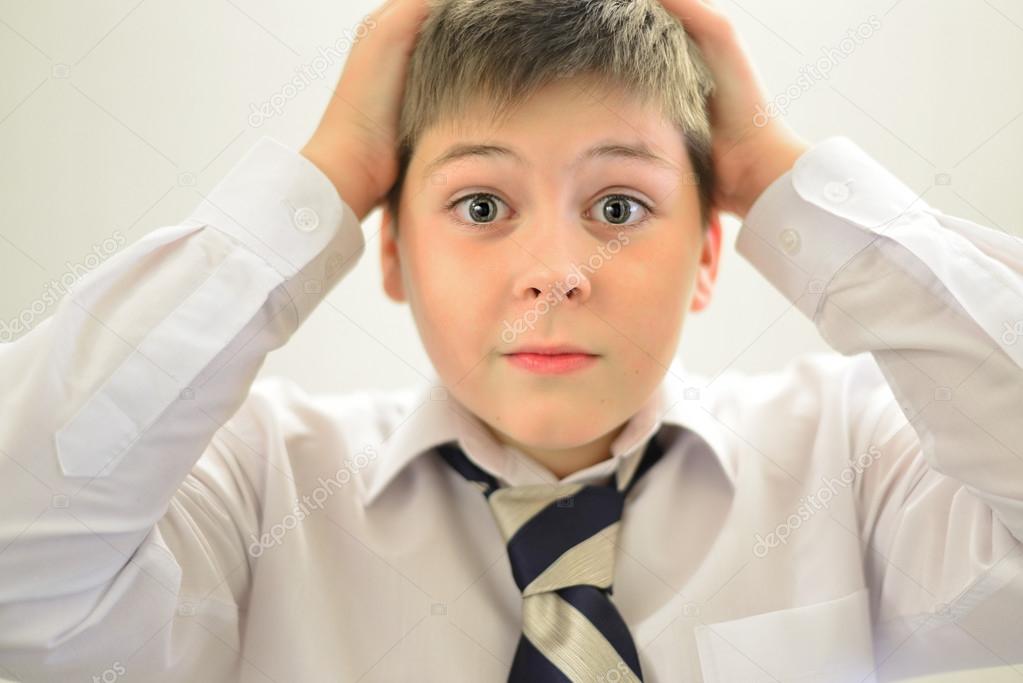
(853,516)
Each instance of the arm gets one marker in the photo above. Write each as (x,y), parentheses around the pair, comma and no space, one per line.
(934,300)
(930,296)
(112,401)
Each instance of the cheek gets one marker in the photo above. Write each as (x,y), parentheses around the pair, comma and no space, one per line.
(653,287)
(453,304)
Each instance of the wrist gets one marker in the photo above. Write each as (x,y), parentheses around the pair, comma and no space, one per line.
(766,168)
(346,174)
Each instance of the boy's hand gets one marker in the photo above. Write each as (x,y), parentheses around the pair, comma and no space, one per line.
(355,144)
(748,153)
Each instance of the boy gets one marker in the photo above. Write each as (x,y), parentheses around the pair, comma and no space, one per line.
(559,504)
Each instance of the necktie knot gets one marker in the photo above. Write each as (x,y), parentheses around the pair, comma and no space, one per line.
(559,535)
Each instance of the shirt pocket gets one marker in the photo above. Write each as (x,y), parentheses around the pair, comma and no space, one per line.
(824,641)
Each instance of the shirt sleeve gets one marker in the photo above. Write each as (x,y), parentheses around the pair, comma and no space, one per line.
(937,301)
(112,530)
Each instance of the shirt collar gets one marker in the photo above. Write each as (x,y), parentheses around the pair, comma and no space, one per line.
(434,417)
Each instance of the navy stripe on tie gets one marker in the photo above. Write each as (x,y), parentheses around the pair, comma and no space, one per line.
(651,454)
(460,462)
(603,615)
(555,529)
(530,665)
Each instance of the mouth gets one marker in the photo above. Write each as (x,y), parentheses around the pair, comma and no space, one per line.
(551,363)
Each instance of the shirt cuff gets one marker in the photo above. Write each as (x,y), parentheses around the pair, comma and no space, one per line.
(834,202)
(282,207)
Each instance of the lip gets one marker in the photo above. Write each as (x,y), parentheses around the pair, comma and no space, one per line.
(551,363)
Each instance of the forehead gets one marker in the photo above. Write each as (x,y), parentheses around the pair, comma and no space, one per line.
(566,124)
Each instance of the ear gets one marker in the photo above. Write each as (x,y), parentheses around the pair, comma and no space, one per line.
(707,272)
(390,258)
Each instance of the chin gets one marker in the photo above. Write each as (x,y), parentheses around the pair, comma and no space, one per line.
(551,431)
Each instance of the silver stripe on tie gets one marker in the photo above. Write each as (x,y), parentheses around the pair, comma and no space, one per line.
(568,639)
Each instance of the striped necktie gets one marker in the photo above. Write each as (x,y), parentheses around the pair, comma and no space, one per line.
(561,541)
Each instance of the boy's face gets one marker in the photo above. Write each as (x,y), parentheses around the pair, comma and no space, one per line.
(503,277)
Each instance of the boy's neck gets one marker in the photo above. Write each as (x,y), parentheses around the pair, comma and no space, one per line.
(566,461)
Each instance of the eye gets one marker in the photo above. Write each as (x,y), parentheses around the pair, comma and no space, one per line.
(482,209)
(618,210)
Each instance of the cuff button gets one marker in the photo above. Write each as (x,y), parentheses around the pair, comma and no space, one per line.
(790,241)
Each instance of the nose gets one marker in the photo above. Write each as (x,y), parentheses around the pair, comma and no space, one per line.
(553,274)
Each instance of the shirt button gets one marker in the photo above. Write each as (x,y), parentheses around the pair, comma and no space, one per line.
(790,241)
(306,220)
(836,192)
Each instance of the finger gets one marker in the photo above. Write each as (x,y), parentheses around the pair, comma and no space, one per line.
(700,18)
(405,11)
(402,18)
(713,32)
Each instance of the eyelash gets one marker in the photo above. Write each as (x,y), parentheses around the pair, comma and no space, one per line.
(482,226)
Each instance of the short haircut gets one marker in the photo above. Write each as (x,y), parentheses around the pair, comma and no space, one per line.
(499,52)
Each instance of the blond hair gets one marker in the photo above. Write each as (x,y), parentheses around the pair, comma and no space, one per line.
(499,52)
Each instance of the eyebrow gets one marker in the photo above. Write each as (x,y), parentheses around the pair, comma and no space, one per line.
(606,149)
